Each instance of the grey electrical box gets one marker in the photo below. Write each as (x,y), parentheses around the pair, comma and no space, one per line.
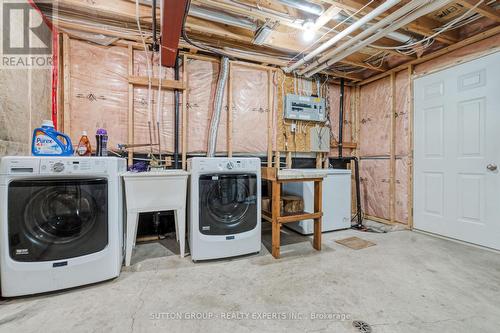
(320,139)
(305,108)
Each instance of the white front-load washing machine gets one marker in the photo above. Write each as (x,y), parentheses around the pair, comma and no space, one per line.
(61,222)
(224,207)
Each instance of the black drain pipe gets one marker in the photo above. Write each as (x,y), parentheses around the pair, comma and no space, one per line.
(359,212)
(155,46)
(176,116)
(341,118)
(348,159)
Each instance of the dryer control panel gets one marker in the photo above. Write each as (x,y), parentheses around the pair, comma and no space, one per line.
(211,164)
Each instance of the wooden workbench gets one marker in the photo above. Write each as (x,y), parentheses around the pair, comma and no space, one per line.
(275,217)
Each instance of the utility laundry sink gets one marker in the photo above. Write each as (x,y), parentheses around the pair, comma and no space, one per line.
(155,191)
(152,190)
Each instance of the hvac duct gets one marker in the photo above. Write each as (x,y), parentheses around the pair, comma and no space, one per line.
(424,10)
(344,33)
(304,6)
(372,29)
(221,17)
(262,35)
(219,96)
(216,16)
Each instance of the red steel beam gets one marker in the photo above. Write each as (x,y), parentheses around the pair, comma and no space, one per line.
(171,27)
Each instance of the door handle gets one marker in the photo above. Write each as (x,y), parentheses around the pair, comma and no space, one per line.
(492,167)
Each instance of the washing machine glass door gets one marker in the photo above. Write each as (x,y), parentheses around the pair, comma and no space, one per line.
(54,219)
(228,203)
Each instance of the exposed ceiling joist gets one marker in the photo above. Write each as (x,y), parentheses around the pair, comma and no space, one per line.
(423,26)
(263,16)
(482,9)
(116,18)
(326,17)
(473,39)
(119,9)
(358,60)
(352,77)
(247,11)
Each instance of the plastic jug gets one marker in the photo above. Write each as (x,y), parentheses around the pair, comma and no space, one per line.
(48,142)
(84,148)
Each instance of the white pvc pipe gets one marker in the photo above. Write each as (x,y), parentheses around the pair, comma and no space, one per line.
(344,33)
(372,29)
(435,5)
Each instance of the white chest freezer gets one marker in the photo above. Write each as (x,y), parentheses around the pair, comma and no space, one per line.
(336,201)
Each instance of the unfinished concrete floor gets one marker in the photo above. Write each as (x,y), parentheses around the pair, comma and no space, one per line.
(408,282)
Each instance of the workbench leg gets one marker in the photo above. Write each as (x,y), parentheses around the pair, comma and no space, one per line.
(276,229)
(318,207)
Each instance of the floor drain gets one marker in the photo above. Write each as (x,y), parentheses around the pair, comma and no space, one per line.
(362,326)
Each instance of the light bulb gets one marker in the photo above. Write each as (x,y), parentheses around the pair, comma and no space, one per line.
(308,35)
(309,32)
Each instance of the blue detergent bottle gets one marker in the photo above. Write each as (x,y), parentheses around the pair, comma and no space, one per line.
(48,142)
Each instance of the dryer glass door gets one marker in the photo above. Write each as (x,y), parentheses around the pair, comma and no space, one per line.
(53,219)
(228,203)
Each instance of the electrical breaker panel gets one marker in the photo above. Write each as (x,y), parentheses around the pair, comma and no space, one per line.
(305,108)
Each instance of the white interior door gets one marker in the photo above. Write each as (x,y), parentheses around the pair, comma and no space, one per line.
(457,151)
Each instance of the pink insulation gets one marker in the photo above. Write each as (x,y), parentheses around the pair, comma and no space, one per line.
(459,55)
(334,102)
(202,82)
(375,184)
(403,113)
(402,190)
(141,128)
(99,91)
(375,122)
(250,109)
(141,68)
(375,188)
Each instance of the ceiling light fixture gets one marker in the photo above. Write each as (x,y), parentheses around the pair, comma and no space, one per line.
(309,31)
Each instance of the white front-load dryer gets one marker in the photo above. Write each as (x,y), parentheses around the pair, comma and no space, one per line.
(61,222)
(224,207)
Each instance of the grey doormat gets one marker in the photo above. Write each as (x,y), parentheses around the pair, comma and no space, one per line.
(355,243)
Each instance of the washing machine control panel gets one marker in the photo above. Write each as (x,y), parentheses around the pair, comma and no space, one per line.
(72,166)
(58,167)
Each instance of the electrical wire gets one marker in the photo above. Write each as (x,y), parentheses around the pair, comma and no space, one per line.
(159,97)
(377,57)
(472,18)
(427,41)
(149,70)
